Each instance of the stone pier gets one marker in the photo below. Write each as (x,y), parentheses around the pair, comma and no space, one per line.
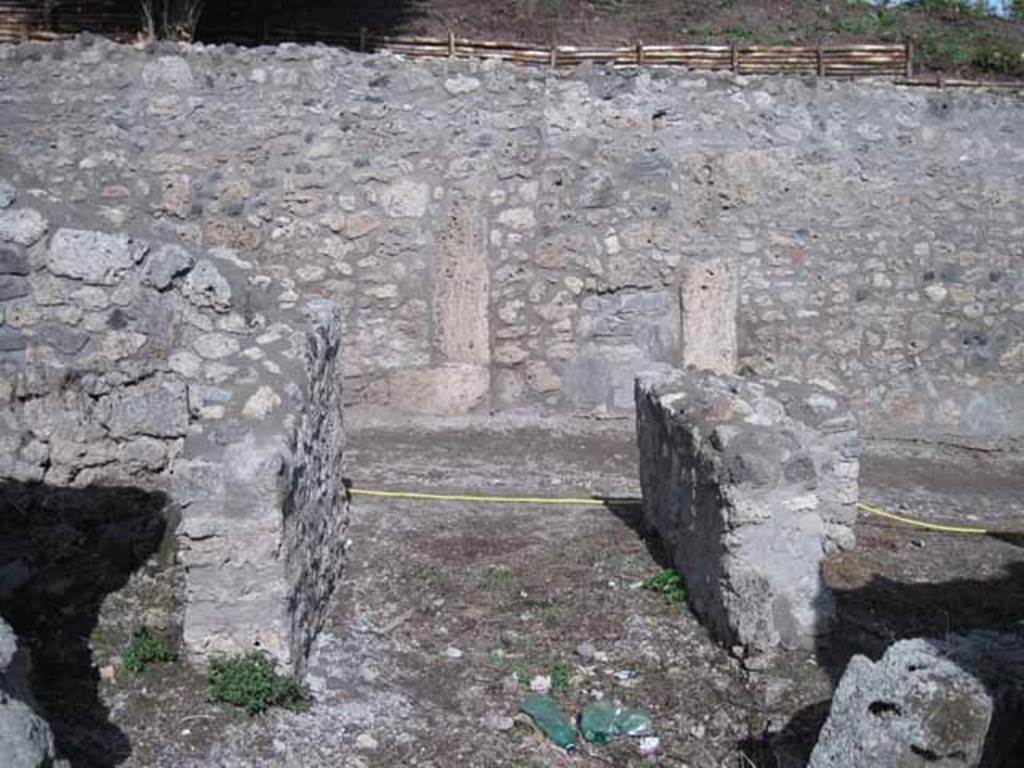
(749,483)
(130,363)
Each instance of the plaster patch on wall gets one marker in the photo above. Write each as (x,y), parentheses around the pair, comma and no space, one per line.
(708,298)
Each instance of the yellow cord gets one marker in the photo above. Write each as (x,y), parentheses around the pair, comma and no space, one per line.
(603,501)
(922,524)
(595,502)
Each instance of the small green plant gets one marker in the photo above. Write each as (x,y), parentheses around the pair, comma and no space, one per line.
(144,649)
(561,678)
(670,584)
(250,682)
(499,578)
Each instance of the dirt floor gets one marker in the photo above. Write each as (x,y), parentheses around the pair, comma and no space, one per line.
(449,610)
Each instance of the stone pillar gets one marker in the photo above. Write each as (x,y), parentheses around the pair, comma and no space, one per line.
(749,484)
(708,299)
(262,534)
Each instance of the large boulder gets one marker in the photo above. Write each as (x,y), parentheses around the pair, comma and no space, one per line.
(26,740)
(948,703)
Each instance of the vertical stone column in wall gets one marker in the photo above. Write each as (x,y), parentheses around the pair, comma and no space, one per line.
(461,327)
(708,298)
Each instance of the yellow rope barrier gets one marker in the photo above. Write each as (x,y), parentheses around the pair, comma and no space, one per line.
(606,501)
(595,502)
(922,524)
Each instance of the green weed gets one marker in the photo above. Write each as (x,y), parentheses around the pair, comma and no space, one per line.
(561,678)
(499,578)
(144,649)
(670,584)
(250,682)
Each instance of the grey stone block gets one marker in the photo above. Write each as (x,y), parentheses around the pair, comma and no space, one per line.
(157,407)
(918,706)
(96,258)
(7,194)
(13,260)
(11,340)
(22,226)
(13,287)
(206,287)
(167,263)
(748,493)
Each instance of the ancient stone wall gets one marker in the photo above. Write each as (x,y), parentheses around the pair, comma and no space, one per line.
(501,237)
(128,362)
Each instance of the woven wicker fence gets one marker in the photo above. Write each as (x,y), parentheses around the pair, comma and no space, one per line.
(844,60)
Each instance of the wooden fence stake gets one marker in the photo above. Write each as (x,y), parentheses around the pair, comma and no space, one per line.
(451,44)
(908,53)
(554,55)
(734,58)
(362,39)
(640,52)
(820,59)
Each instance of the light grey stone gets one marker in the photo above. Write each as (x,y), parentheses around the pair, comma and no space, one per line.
(167,263)
(461,84)
(917,706)
(215,346)
(405,198)
(205,286)
(22,226)
(26,740)
(261,403)
(168,73)
(95,258)
(8,194)
(158,407)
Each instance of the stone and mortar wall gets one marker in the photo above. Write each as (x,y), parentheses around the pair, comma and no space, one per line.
(128,362)
(503,237)
(749,484)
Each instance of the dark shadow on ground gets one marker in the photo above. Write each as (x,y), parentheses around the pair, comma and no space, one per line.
(872,617)
(62,551)
(631,512)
